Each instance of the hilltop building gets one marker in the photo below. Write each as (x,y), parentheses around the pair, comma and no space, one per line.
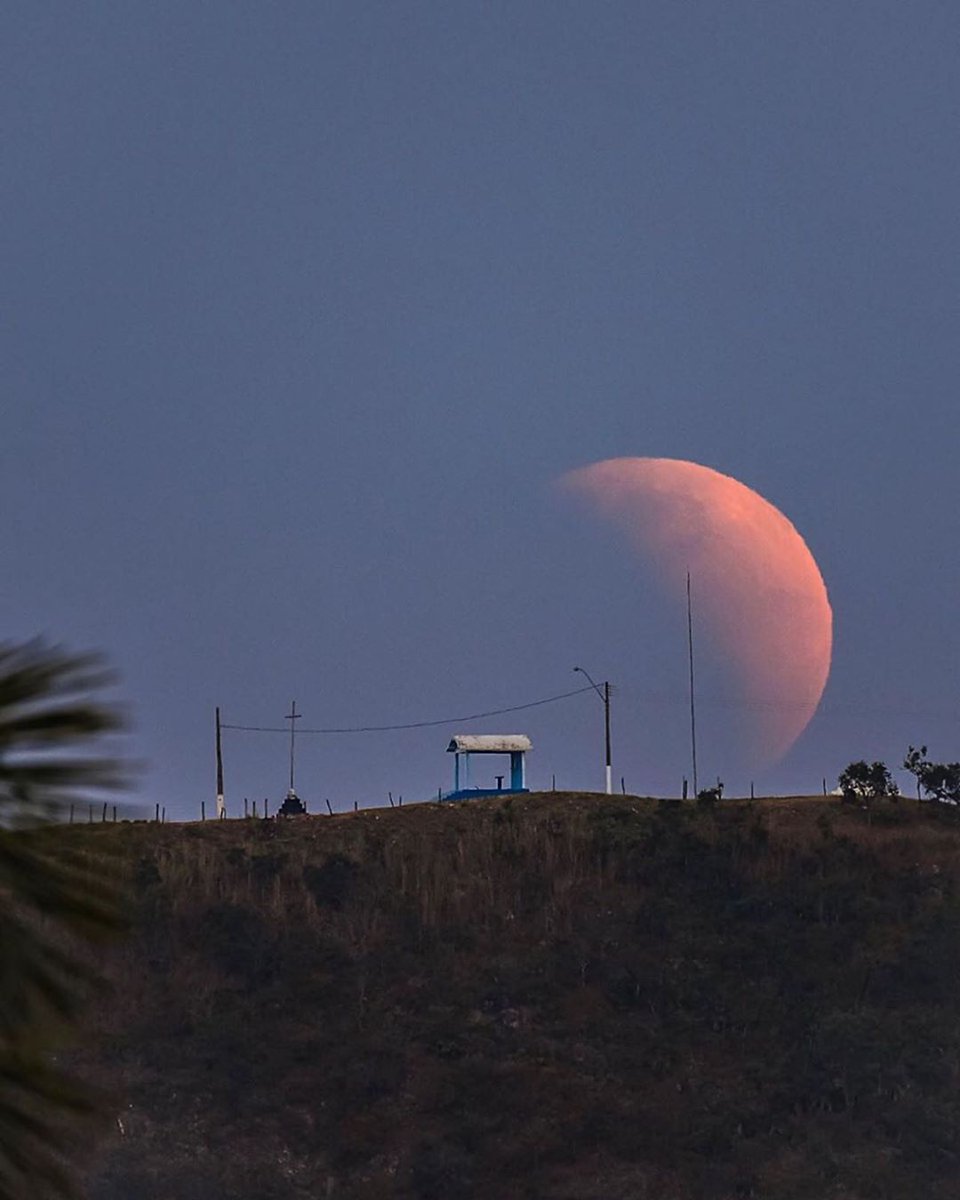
(464,745)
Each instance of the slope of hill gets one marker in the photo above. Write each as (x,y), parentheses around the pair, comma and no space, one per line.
(555,996)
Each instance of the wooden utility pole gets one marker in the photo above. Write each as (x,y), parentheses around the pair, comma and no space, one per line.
(606,725)
(221,802)
(605,698)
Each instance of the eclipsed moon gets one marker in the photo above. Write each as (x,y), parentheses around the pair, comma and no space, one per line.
(757,588)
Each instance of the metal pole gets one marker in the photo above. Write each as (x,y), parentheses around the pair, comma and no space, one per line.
(605,697)
(693,713)
(606,722)
(293,716)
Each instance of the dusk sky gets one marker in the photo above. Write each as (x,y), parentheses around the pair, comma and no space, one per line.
(308,306)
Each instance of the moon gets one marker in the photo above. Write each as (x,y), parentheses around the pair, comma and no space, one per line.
(757,589)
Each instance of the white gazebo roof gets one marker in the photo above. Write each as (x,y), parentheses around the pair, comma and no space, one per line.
(489,743)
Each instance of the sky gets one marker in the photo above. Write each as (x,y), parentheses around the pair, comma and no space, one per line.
(307,306)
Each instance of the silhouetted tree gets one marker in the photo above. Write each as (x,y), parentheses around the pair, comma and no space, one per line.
(939,780)
(57,898)
(867,781)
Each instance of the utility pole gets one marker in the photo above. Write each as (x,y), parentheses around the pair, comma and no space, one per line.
(606,723)
(221,803)
(292,716)
(605,697)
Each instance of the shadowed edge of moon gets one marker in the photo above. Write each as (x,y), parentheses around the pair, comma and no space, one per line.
(757,587)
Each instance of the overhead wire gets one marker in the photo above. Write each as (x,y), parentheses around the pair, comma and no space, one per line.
(494,712)
(631,696)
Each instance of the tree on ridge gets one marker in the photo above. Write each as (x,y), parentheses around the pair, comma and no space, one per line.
(867,781)
(939,780)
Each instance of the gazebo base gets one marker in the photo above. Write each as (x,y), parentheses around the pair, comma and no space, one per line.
(478,793)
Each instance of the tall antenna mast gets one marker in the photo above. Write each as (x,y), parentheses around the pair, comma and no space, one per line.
(292,716)
(693,712)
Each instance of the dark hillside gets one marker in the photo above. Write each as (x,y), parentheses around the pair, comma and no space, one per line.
(557,996)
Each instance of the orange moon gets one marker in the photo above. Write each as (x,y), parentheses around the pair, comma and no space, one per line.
(757,589)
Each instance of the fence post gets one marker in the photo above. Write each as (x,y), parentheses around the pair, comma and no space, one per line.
(354,806)
(163,816)
(329,809)
(246,807)
(71,811)
(103,819)
(266,808)
(751,789)
(156,814)
(114,814)
(623,786)
(399,802)
(684,787)
(390,798)
(254,810)
(203,810)
(824,786)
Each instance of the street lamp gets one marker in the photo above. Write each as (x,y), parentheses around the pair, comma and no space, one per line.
(605,697)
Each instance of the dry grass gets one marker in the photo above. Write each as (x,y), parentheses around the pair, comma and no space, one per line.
(553,995)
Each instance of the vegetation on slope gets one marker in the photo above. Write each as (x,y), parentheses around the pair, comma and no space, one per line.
(556,996)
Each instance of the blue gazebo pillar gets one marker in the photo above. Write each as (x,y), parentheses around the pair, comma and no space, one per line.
(516,771)
(457,773)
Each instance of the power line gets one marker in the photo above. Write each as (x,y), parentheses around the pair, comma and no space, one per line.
(495,712)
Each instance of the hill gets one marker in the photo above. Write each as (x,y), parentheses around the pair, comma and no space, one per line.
(556,996)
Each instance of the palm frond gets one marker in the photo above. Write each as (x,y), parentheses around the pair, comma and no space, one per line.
(58,897)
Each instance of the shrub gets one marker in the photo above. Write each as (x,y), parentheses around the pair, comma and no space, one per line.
(866,781)
(708,796)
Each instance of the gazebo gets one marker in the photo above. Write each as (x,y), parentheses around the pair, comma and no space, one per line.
(463,745)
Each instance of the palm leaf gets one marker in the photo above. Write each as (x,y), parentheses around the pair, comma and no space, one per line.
(57,898)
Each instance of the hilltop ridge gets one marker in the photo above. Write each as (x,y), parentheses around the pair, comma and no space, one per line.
(553,995)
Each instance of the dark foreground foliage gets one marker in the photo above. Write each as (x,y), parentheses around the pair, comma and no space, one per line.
(57,900)
(558,997)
